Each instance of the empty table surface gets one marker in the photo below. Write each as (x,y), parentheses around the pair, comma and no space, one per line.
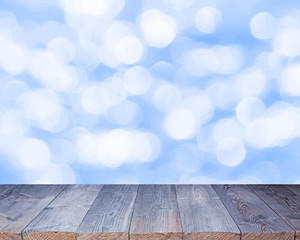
(149,212)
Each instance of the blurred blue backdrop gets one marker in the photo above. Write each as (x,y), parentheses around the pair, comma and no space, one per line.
(152,91)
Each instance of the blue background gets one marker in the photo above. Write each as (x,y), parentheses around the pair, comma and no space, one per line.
(36,149)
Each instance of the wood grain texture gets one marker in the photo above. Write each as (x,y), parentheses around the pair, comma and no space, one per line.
(156,214)
(21,205)
(255,219)
(6,189)
(295,188)
(110,215)
(283,201)
(61,218)
(203,215)
(148,212)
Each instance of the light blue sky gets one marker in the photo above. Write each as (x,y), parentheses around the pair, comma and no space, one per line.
(166,91)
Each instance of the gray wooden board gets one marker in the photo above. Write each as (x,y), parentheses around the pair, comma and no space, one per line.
(6,189)
(22,205)
(255,218)
(295,188)
(156,214)
(110,215)
(203,215)
(283,201)
(148,212)
(120,188)
(61,218)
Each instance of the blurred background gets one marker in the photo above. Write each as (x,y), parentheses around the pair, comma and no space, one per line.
(152,91)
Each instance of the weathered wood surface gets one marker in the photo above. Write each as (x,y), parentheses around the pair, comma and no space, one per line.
(110,215)
(149,212)
(156,214)
(61,218)
(203,215)
(283,201)
(255,218)
(6,189)
(295,188)
(21,205)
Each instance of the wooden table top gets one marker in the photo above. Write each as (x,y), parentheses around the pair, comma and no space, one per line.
(146,212)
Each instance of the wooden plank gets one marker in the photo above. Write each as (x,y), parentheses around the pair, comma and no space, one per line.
(203,215)
(283,201)
(156,214)
(255,219)
(109,216)
(120,188)
(22,205)
(61,218)
(295,188)
(6,189)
